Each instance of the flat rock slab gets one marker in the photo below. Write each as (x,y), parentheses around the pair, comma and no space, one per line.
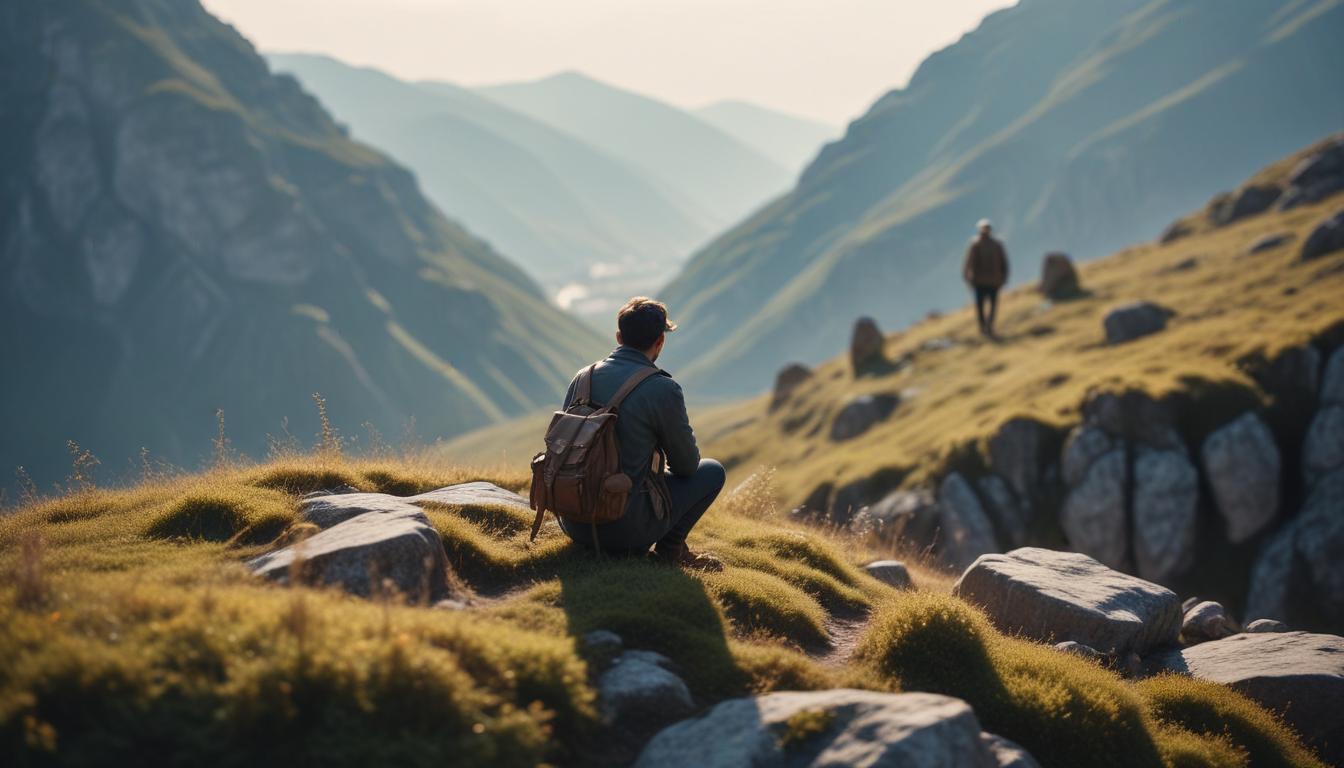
(1055,596)
(1299,675)
(862,729)
(326,511)
(891,572)
(360,553)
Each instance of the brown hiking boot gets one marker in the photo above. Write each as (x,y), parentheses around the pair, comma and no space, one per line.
(681,556)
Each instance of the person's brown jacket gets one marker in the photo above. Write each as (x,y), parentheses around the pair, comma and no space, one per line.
(986,263)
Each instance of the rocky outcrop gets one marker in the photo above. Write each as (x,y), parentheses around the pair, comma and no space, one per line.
(1021,453)
(890,572)
(1323,448)
(1325,239)
(860,414)
(1059,279)
(1094,516)
(1298,675)
(1242,464)
(967,531)
(1133,321)
(639,691)
(1205,621)
(1298,576)
(1056,596)
(909,515)
(789,378)
(1010,515)
(326,511)
(364,554)
(1268,243)
(1246,201)
(1316,177)
(835,727)
(1165,504)
(865,344)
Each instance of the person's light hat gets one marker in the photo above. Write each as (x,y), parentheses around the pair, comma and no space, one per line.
(983,224)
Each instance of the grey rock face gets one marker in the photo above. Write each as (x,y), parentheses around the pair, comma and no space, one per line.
(1083,447)
(1325,239)
(638,691)
(328,510)
(860,414)
(362,553)
(1007,754)
(1010,514)
(1241,462)
(1319,542)
(1268,243)
(1055,596)
(1247,201)
(1266,625)
(1332,384)
(1207,621)
(1133,321)
(1316,178)
(910,515)
(967,531)
(1166,504)
(891,572)
(1059,280)
(1093,514)
(1299,675)
(1272,577)
(861,729)
(1323,447)
(865,344)
(601,642)
(1017,452)
(789,378)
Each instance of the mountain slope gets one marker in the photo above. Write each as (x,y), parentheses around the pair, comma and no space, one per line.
(720,176)
(556,204)
(184,231)
(789,140)
(1075,126)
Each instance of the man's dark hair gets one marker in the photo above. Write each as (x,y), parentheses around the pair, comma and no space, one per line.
(641,321)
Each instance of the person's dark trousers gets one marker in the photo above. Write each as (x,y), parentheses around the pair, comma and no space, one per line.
(691,496)
(986,295)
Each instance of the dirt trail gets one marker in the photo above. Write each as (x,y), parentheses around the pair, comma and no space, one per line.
(844,632)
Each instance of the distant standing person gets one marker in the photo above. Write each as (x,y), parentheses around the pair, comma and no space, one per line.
(986,269)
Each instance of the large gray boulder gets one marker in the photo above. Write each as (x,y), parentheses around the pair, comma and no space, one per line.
(1166,507)
(865,344)
(1084,445)
(1093,515)
(842,727)
(1268,243)
(1298,675)
(860,414)
(1059,279)
(1055,596)
(1316,177)
(789,378)
(1332,383)
(1246,201)
(1323,447)
(1018,452)
(639,692)
(1133,321)
(1242,464)
(906,515)
(967,531)
(1010,514)
(326,511)
(1325,239)
(364,553)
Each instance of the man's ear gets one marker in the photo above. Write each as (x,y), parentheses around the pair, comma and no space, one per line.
(619,343)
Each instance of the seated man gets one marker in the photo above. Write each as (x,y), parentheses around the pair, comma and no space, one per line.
(663,507)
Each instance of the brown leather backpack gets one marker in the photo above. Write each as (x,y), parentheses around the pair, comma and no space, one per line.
(578,476)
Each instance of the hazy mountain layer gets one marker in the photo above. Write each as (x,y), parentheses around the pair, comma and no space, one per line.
(789,140)
(182,231)
(1075,126)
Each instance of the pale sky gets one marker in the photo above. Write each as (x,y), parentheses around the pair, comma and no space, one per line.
(826,59)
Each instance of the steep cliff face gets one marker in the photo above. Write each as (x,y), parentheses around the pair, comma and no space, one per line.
(181,231)
(1075,126)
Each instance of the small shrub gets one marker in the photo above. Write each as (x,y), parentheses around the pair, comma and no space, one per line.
(802,726)
(758,602)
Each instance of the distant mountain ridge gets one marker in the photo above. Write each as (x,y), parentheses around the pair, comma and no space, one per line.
(1075,126)
(789,140)
(181,231)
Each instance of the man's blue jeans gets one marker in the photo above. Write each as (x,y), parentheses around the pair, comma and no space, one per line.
(640,528)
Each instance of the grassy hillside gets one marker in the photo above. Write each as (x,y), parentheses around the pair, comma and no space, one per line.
(1075,126)
(128,621)
(186,232)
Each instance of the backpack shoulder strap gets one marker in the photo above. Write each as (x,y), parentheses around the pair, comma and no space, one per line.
(585,390)
(637,378)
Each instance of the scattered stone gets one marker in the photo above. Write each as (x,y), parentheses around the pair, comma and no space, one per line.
(940,343)
(1207,621)
(336,491)
(1247,201)
(366,553)
(905,515)
(1332,384)
(836,727)
(1078,649)
(1268,242)
(789,378)
(1242,464)
(1266,625)
(1093,514)
(1298,675)
(1184,265)
(638,692)
(1054,596)
(1325,239)
(451,605)
(1175,231)
(1010,515)
(865,344)
(816,505)
(860,414)
(1007,754)
(1323,448)
(1018,452)
(1166,507)
(891,572)
(1133,321)
(1059,279)
(1316,177)
(967,530)
(1310,195)
(601,642)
